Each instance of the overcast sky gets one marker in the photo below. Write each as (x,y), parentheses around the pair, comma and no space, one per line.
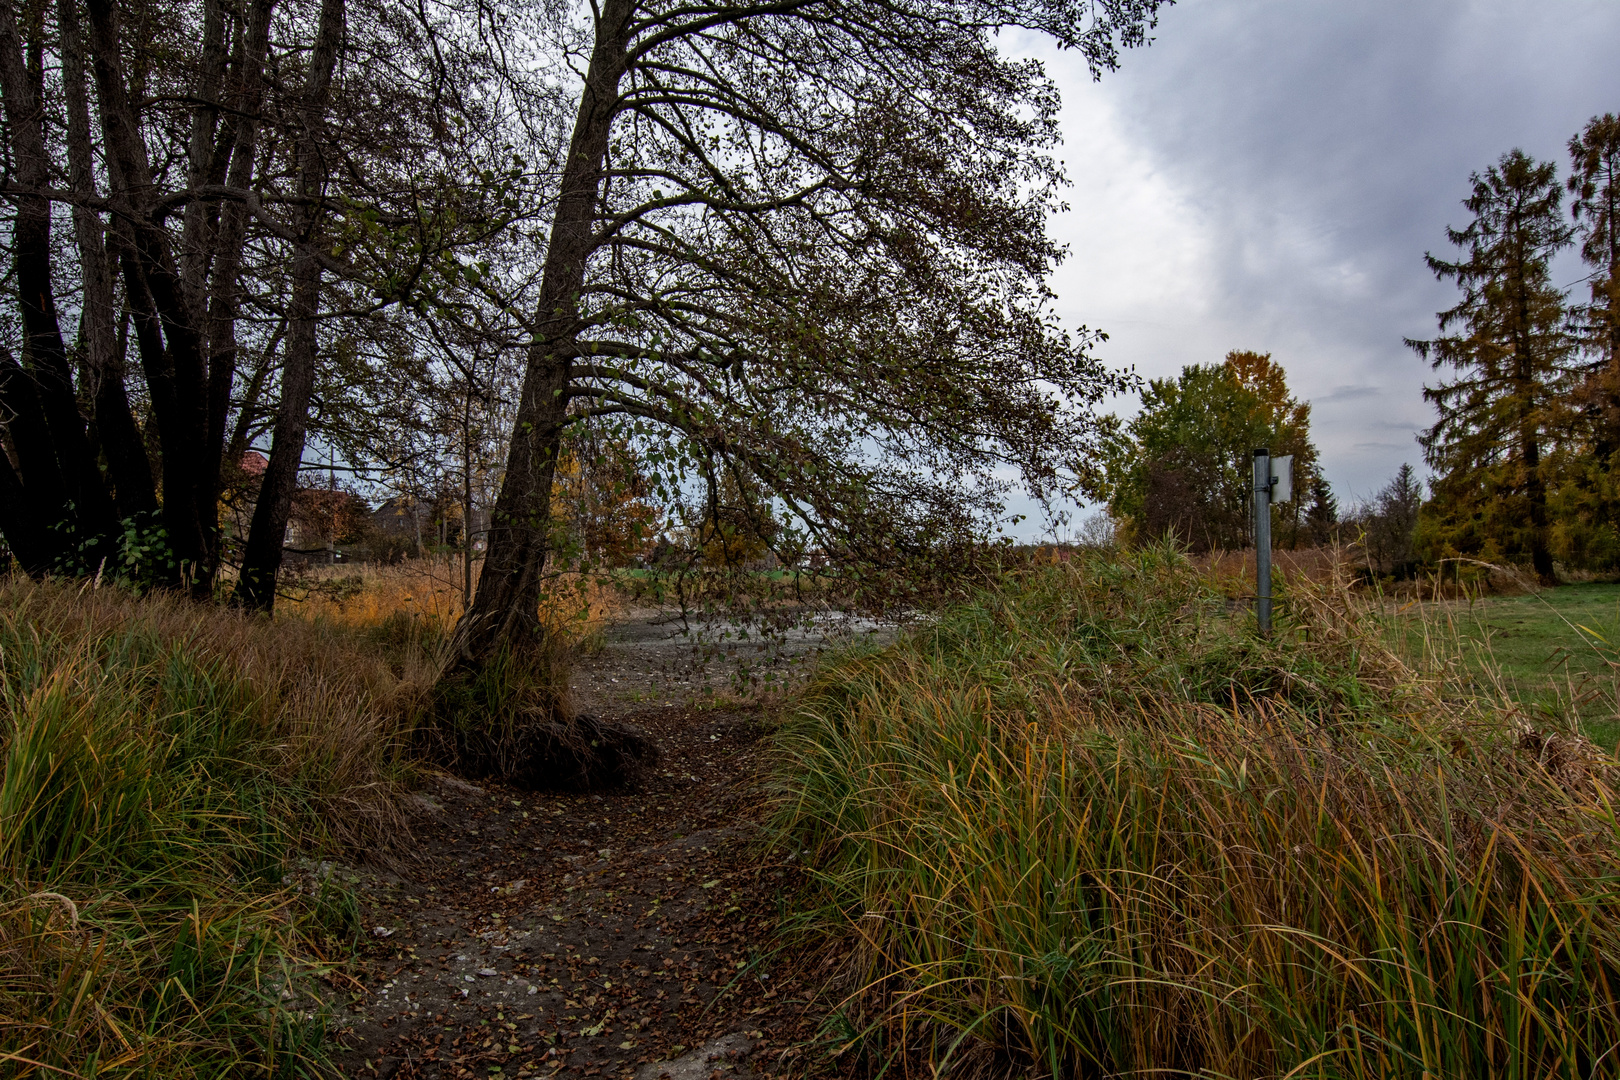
(1268,174)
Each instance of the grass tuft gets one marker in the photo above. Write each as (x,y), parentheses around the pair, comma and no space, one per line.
(1088,824)
(161,761)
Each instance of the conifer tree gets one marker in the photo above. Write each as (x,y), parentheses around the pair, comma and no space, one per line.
(1588,506)
(1595,184)
(1509,353)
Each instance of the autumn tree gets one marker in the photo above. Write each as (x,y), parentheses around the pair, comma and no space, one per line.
(1509,355)
(1594,183)
(602,507)
(1285,422)
(1183,467)
(806,239)
(1584,505)
(234,189)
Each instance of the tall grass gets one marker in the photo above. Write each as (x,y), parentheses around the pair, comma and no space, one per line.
(575,607)
(1090,825)
(161,761)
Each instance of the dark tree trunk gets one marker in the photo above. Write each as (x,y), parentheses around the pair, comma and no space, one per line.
(45,359)
(40,498)
(27,541)
(505,611)
(230,232)
(167,330)
(116,430)
(261,561)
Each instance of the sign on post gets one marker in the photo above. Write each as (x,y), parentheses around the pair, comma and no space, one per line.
(1273,482)
(1282,478)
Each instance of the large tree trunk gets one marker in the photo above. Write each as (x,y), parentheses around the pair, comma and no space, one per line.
(504,615)
(45,359)
(261,561)
(167,331)
(120,438)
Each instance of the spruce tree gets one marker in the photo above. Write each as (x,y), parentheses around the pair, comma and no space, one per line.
(1595,184)
(1587,507)
(1508,351)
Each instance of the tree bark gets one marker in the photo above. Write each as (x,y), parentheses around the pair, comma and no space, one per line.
(166,328)
(261,561)
(45,358)
(505,611)
(120,438)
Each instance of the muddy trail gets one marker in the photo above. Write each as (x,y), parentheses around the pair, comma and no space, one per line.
(625,933)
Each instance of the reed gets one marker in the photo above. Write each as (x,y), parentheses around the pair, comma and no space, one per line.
(1089,825)
(162,762)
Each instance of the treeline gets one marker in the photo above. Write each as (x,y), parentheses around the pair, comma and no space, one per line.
(1524,448)
(794,248)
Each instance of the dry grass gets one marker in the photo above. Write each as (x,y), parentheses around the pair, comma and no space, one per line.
(162,763)
(1088,825)
(1233,571)
(430,591)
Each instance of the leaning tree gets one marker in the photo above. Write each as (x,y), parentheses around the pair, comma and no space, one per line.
(800,244)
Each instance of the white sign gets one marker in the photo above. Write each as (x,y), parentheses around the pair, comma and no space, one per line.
(1282,478)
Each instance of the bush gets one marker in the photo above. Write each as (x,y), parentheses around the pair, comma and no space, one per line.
(1090,825)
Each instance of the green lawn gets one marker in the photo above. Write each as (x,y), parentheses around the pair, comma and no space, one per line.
(1558,651)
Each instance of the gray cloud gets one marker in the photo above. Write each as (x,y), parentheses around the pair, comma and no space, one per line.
(1269,174)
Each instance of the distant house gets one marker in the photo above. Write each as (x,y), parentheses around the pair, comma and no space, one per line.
(428,522)
(401,516)
(319,521)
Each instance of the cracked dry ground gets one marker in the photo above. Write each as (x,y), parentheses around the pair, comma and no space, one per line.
(624,933)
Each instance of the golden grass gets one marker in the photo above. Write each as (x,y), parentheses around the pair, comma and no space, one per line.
(162,761)
(430,590)
(1089,825)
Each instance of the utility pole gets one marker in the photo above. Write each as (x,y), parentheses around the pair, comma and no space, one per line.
(1273,482)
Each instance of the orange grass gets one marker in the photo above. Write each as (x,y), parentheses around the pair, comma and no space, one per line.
(430,590)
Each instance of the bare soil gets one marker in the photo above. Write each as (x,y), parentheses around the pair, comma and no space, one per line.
(627,933)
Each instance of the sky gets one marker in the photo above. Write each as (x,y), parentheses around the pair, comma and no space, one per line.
(1268,174)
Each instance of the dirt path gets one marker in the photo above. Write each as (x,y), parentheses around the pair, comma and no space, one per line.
(626,933)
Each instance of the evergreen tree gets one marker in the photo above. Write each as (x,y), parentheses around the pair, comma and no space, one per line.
(1509,352)
(1322,515)
(1595,184)
(1389,524)
(1587,505)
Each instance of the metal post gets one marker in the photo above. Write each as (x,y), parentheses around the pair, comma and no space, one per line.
(1262,537)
